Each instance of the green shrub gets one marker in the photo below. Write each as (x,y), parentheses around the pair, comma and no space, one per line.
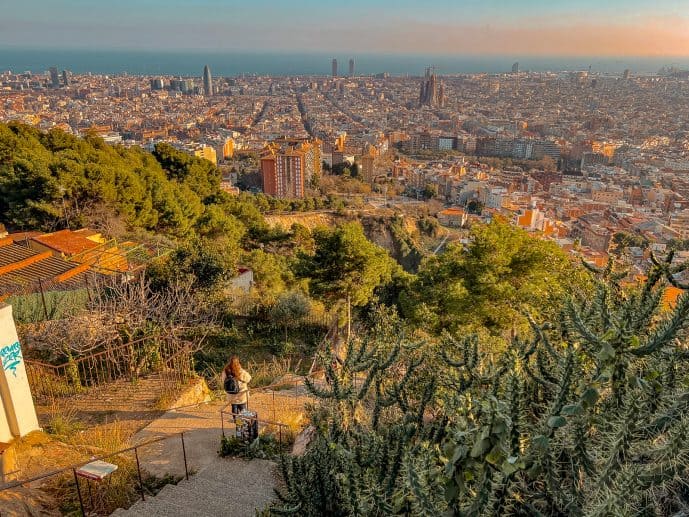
(266,446)
(585,417)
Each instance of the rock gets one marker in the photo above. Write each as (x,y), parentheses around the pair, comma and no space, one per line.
(197,393)
(302,441)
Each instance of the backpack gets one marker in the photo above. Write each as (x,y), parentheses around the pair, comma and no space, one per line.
(231,385)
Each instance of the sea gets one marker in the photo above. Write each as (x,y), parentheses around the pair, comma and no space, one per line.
(229,64)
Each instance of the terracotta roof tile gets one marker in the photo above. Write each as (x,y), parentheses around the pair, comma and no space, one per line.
(66,241)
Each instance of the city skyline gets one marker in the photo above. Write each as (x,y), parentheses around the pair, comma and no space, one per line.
(493,27)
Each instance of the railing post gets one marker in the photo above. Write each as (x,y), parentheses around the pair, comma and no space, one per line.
(184,452)
(222,422)
(81,500)
(45,307)
(88,484)
(138,471)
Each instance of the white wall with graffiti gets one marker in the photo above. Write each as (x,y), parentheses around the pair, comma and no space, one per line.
(17,414)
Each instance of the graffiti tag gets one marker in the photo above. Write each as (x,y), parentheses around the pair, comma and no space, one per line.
(11,356)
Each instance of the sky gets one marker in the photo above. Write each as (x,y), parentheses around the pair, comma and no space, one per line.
(462,27)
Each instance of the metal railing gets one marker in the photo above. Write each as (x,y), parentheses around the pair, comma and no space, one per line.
(272,400)
(282,429)
(170,358)
(74,467)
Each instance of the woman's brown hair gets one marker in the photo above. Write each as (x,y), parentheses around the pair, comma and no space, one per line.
(234,367)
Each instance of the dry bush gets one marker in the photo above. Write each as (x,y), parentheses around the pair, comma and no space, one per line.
(121,312)
(62,420)
(269,372)
(106,438)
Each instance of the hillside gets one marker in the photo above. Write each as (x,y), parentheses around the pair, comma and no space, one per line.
(310,220)
(398,234)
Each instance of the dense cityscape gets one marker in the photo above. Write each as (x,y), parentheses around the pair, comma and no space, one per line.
(575,156)
(367,258)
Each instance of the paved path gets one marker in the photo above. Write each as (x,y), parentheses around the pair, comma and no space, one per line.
(202,433)
(217,486)
(202,430)
(226,487)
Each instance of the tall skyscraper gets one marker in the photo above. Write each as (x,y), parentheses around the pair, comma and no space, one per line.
(157,84)
(515,68)
(334,67)
(65,78)
(207,81)
(54,77)
(351,67)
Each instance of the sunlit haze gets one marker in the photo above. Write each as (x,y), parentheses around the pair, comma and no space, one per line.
(467,27)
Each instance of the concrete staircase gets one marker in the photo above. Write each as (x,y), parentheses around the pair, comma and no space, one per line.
(226,487)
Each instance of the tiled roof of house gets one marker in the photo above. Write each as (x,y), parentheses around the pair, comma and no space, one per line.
(21,268)
(66,241)
(22,236)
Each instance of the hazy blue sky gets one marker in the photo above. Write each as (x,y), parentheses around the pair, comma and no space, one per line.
(539,27)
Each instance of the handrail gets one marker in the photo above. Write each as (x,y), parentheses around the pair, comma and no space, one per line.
(300,378)
(259,389)
(15,484)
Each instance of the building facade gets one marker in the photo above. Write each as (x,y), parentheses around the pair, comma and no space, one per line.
(288,167)
(207,81)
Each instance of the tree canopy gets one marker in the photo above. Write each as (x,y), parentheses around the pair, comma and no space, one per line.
(346,264)
(51,180)
(491,283)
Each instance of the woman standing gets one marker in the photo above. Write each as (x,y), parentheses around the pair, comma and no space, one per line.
(235,381)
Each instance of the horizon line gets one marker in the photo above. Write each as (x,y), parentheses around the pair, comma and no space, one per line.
(335,53)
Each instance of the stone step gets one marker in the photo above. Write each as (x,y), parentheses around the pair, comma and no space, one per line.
(227,470)
(154,507)
(244,491)
(240,486)
(222,503)
(225,488)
